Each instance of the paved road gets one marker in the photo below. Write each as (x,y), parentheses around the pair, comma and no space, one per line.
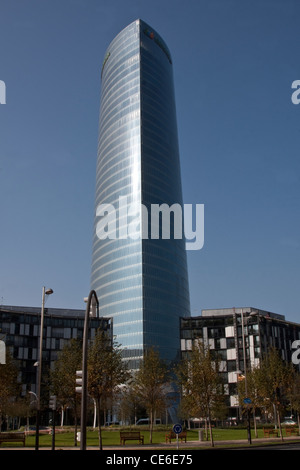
(277,447)
(282,446)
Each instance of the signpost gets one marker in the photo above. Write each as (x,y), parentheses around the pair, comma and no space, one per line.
(177,429)
(247,401)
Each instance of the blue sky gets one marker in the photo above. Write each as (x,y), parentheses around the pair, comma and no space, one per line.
(239,134)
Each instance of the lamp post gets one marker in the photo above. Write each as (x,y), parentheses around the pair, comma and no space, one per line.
(245,375)
(38,394)
(247,400)
(91,310)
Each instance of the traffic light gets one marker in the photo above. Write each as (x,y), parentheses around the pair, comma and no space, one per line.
(52,402)
(79,381)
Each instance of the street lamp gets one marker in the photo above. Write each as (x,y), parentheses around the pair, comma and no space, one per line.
(92,307)
(245,378)
(39,365)
(247,400)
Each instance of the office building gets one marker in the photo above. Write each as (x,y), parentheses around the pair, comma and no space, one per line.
(235,333)
(20,331)
(141,282)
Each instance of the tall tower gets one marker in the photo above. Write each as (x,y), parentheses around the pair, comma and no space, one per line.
(141,283)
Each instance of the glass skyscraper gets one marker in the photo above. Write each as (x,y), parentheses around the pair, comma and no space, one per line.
(141,282)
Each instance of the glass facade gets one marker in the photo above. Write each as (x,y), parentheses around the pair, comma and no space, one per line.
(141,283)
(231,342)
(20,330)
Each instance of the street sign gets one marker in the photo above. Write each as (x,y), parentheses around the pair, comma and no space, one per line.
(247,401)
(177,428)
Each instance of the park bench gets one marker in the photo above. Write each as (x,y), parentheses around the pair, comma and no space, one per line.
(131,436)
(12,437)
(171,435)
(291,430)
(270,432)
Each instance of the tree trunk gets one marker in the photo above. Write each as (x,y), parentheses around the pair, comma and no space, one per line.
(210,431)
(95,414)
(279,424)
(151,426)
(62,417)
(75,422)
(255,425)
(99,423)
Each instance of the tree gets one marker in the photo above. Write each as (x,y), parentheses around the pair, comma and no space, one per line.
(130,404)
(106,372)
(151,385)
(252,377)
(63,377)
(294,395)
(9,387)
(274,378)
(201,384)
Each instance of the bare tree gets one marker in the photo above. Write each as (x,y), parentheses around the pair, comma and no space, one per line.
(129,403)
(63,377)
(151,385)
(201,384)
(274,378)
(9,387)
(294,395)
(106,372)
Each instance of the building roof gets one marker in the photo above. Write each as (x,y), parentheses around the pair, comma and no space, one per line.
(62,312)
(239,310)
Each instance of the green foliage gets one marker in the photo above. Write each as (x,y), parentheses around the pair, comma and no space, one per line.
(152,384)
(63,374)
(9,387)
(106,372)
(202,390)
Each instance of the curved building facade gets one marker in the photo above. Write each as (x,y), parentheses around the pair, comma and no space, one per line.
(141,281)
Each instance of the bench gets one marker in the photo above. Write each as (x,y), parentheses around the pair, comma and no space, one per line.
(171,435)
(270,432)
(12,437)
(290,430)
(131,436)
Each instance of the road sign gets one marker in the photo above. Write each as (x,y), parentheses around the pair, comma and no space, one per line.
(247,401)
(177,428)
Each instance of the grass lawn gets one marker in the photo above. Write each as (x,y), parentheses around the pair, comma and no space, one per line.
(111,437)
